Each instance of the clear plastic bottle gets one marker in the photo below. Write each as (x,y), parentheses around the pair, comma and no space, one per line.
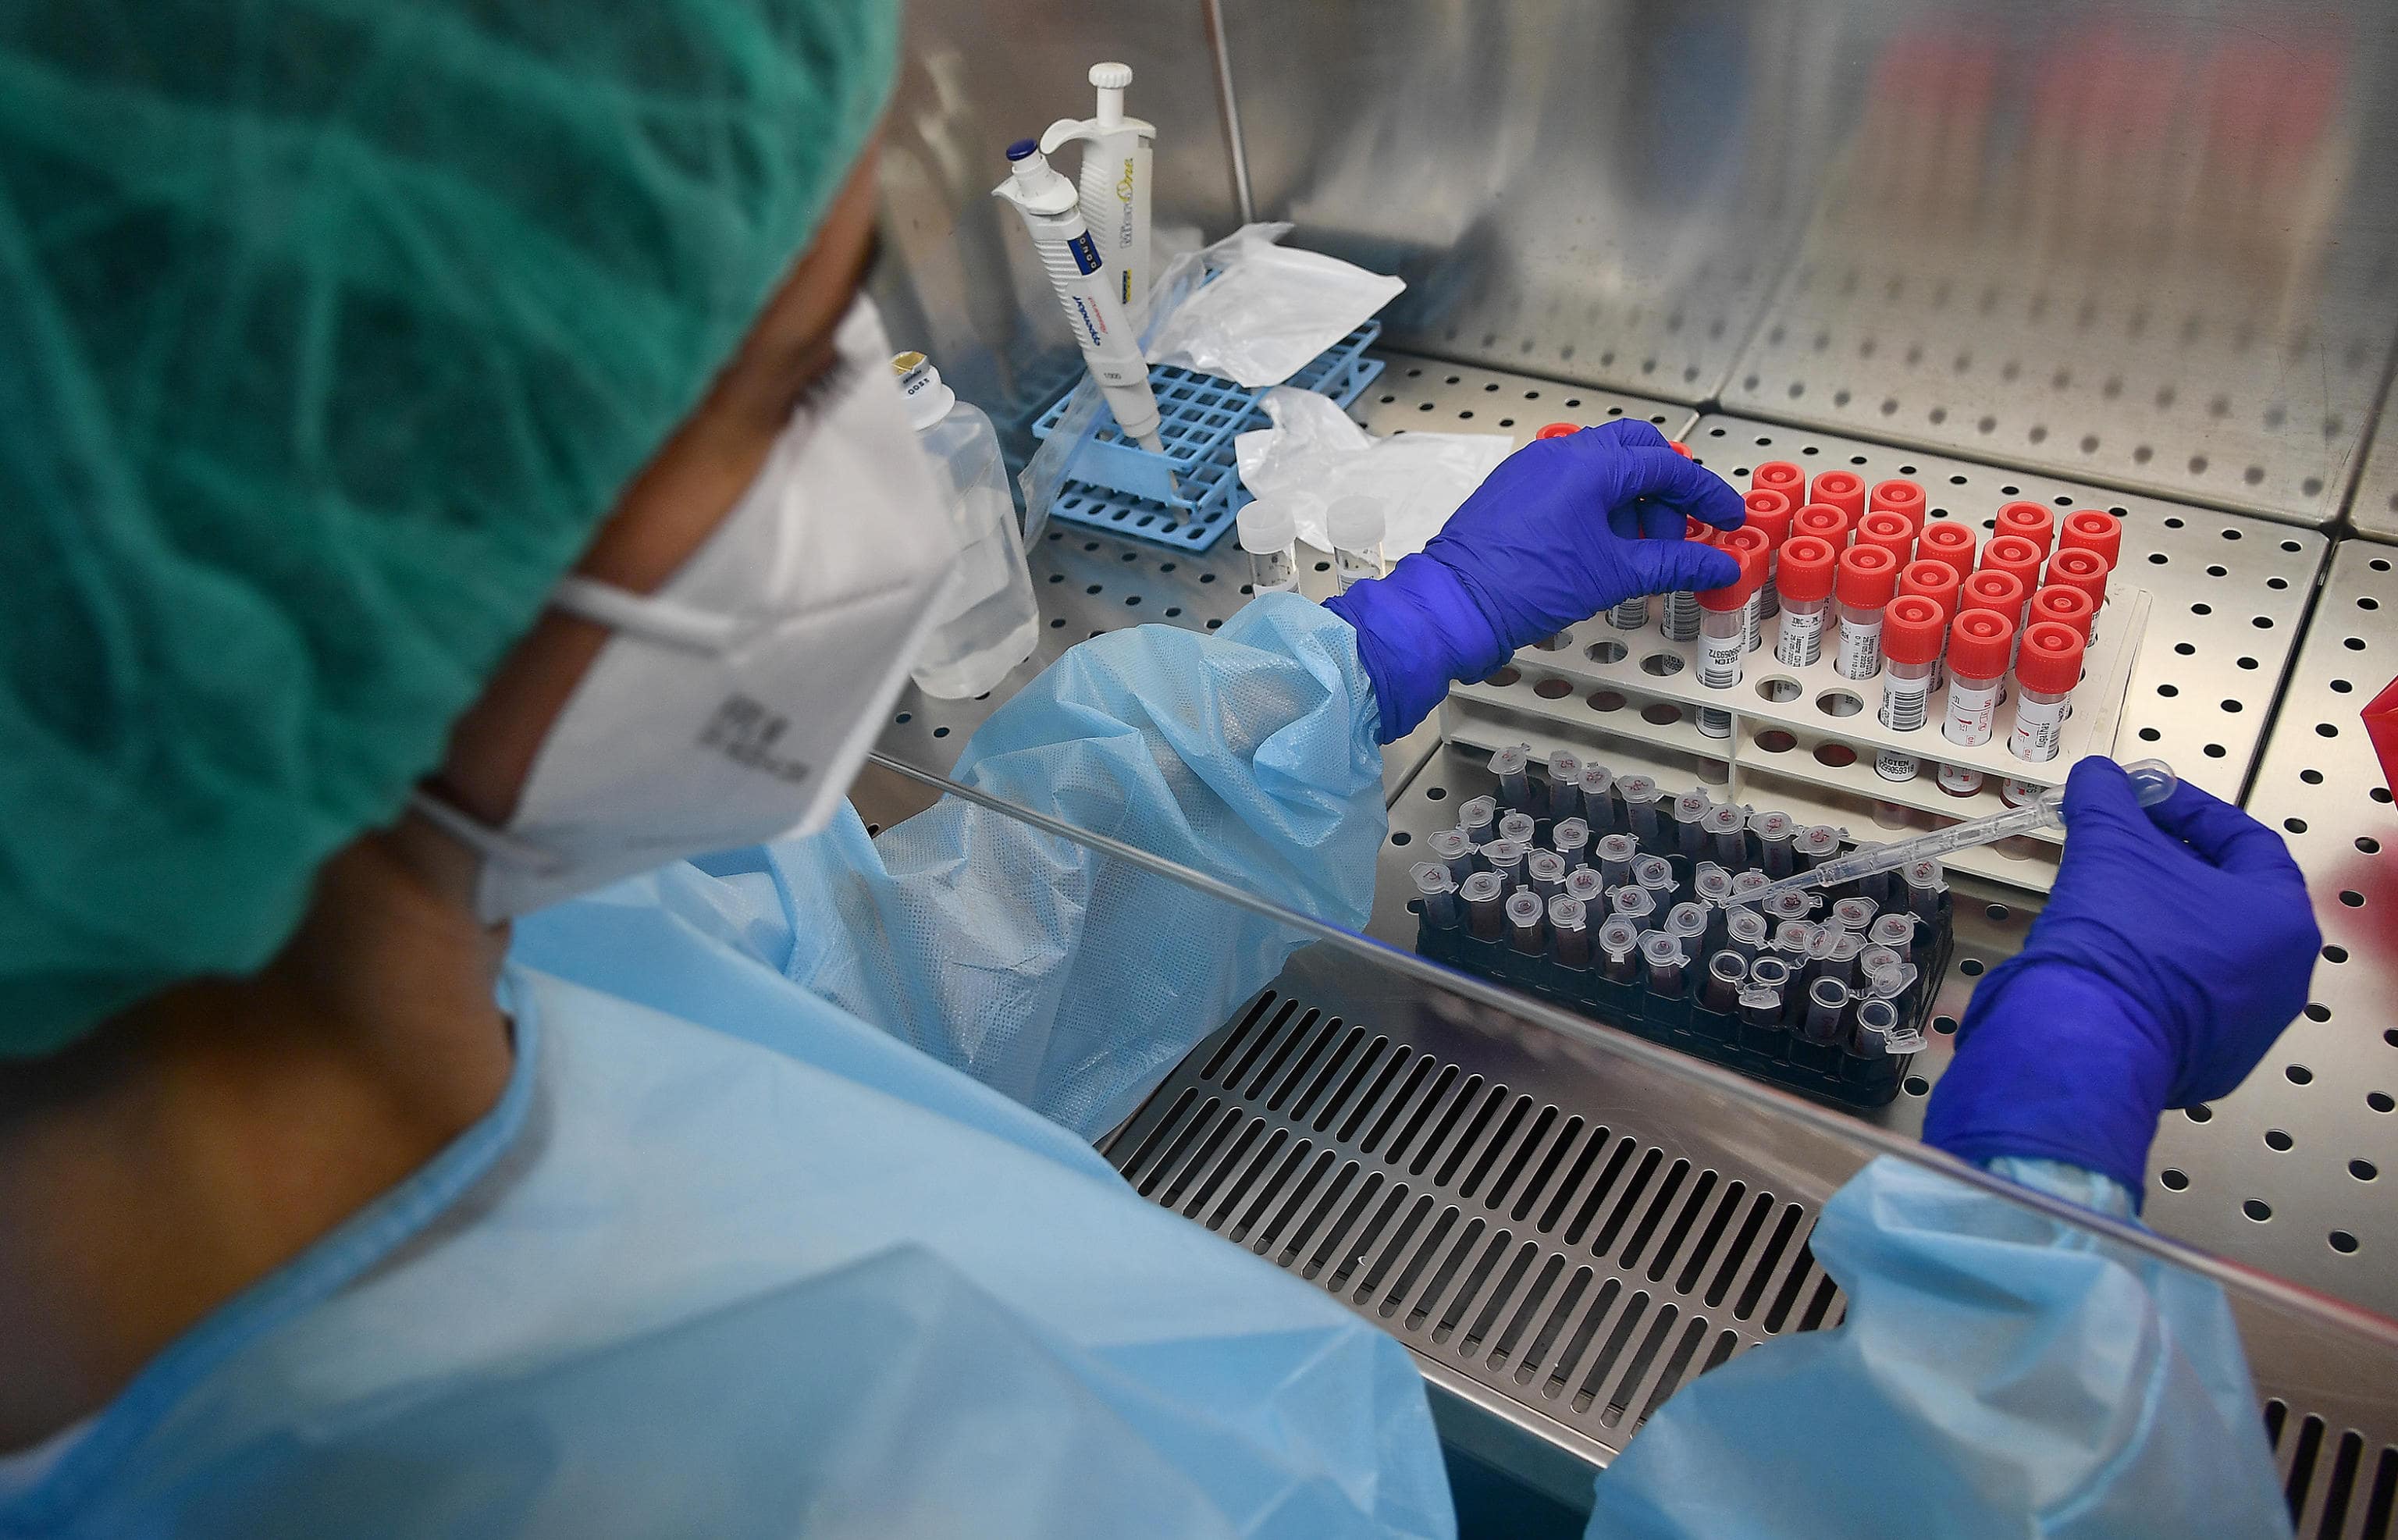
(1354,527)
(989,623)
(1269,533)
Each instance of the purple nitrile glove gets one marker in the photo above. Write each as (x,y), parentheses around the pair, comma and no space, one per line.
(2175,947)
(1563,529)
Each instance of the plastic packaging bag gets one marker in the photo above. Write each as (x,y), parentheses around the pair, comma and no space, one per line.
(1045,472)
(1313,454)
(1270,311)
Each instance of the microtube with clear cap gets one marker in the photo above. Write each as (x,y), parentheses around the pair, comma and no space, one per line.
(1641,796)
(1726,972)
(1570,931)
(1855,913)
(1517,826)
(1774,832)
(1685,922)
(1877,1020)
(1662,956)
(1584,883)
(1528,923)
(1546,871)
(1513,766)
(1926,885)
(1838,957)
(1874,958)
(1565,785)
(1655,874)
(1354,527)
(1452,849)
(1437,890)
(1761,1007)
(1619,944)
(1690,837)
(1795,939)
(1505,857)
(1725,826)
(1478,816)
(1779,909)
(1599,808)
(1616,853)
(1817,842)
(1632,902)
(1744,931)
(1892,982)
(1269,532)
(1828,1001)
(1745,884)
(1769,972)
(1484,895)
(1894,931)
(1712,884)
(1571,839)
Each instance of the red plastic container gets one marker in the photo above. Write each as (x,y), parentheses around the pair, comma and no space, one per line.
(2016,557)
(1936,581)
(1889,529)
(1779,476)
(1825,522)
(2064,606)
(2031,520)
(2079,568)
(1844,490)
(1899,496)
(2092,530)
(1947,540)
(1998,591)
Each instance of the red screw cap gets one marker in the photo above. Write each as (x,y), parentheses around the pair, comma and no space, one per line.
(2016,557)
(1806,572)
(2066,607)
(2095,530)
(1769,510)
(2050,660)
(1993,589)
(1912,630)
(1978,644)
(1936,581)
(1868,576)
(1680,448)
(2031,520)
(1899,496)
(2081,569)
(1701,532)
(1748,537)
(1947,540)
(1558,430)
(1825,522)
(1844,490)
(1780,475)
(1734,594)
(1889,529)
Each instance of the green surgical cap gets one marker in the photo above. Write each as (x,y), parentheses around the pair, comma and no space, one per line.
(329,332)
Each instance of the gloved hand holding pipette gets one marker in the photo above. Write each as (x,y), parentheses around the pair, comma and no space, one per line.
(1563,529)
(2175,948)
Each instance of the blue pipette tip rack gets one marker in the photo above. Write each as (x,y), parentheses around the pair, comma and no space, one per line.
(1187,497)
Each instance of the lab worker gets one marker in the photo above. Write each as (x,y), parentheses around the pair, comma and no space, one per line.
(455,482)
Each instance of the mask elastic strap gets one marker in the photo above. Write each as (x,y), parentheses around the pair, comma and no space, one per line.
(495,845)
(650,618)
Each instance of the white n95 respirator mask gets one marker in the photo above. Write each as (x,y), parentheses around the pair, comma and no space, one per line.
(736,702)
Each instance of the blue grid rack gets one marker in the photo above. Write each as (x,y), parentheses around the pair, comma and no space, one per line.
(1118,486)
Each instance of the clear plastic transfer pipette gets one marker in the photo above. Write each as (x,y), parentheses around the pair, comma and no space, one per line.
(2153,782)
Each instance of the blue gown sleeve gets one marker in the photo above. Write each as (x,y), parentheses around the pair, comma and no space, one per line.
(1069,980)
(1997,1373)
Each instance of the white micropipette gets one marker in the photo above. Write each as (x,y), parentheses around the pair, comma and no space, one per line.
(2153,782)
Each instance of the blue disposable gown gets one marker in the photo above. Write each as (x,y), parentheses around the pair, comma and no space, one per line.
(733,1257)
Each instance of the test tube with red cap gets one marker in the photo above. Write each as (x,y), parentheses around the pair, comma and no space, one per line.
(2085,570)
(1993,589)
(1681,623)
(1947,540)
(1912,631)
(2047,667)
(1938,582)
(1748,538)
(2065,606)
(2016,557)
(1868,576)
(2092,530)
(1844,490)
(1806,575)
(1723,638)
(1889,529)
(1979,641)
(1899,496)
(1825,522)
(1772,517)
(1780,475)
(2031,522)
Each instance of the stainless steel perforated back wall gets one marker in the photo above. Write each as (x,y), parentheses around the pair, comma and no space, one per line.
(1428,395)
(2374,509)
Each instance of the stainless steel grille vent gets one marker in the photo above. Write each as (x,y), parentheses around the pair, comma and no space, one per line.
(2340,1486)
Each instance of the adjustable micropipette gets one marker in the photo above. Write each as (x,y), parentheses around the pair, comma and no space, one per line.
(2153,782)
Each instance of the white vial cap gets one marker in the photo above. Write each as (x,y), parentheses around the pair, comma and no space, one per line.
(1355,523)
(1266,526)
(921,390)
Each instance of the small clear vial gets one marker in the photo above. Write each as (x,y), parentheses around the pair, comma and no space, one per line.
(1506,859)
(1712,884)
(1268,532)
(1619,946)
(1572,839)
(1565,785)
(1584,886)
(1437,890)
(1641,796)
(1656,874)
(1528,923)
(1725,826)
(1355,526)
(1726,972)
(1546,871)
(1877,1021)
(1616,853)
(1828,1001)
(1894,930)
(1855,913)
(1513,766)
(1518,827)
(1484,896)
(1599,808)
(1926,885)
(1478,818)
(1761,1007)
(1745,932)
(1661,956)
(1453,850)
(1689,836)
(1745,884)
(1816,843)
(1723,640)
(1570,931)
(1784,907)
(1769,972)
(1632,902)
(1773,831)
